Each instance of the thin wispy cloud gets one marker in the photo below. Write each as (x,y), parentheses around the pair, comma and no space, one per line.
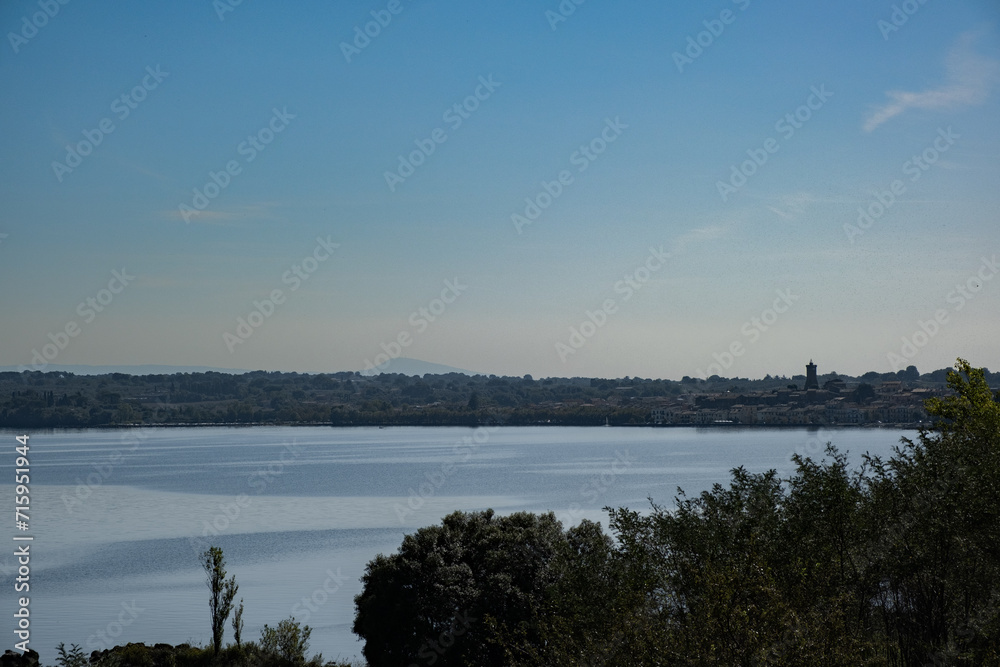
(228,217)
(970,78)
(791,206)
(205,217)
(141,169)
(794,205)
(696,235)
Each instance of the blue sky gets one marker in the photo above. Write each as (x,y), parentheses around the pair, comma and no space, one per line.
(671,134)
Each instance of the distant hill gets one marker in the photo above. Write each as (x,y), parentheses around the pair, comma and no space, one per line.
(407,366)
(402,365)
(147,369)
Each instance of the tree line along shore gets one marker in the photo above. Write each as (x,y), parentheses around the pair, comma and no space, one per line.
(35,399)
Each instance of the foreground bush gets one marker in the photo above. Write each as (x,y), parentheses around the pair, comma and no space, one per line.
(284,646)
(457,593)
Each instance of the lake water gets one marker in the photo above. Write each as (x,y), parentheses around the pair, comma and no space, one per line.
(299,511)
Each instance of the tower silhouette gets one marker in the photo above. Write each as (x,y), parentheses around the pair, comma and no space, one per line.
(811,381)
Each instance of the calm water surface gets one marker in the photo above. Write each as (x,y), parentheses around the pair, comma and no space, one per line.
(115,514)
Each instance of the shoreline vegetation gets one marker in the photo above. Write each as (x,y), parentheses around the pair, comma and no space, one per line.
(893,563)
(487,422)
(55,399)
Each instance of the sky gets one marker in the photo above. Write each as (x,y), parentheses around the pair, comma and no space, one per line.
(604,189)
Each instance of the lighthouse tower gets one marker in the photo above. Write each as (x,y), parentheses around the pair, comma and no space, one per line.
(811,381)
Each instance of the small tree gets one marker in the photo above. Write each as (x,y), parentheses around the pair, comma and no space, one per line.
(238,623)
(288,641)
(222,592)
(72,658)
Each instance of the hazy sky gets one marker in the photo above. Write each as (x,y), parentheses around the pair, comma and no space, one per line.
(675,170)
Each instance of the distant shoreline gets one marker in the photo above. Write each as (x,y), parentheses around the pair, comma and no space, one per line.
(55,400)
(815,427)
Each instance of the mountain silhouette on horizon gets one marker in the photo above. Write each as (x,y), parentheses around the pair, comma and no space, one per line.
(408,366)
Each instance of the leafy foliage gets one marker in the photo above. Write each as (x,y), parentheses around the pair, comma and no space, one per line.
(470,591)
(286,644)
(75,657)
